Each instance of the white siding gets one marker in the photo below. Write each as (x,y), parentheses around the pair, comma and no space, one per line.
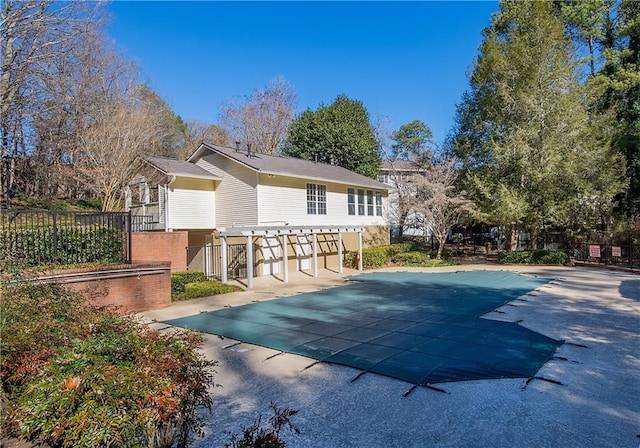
(192,204)
(284,199)
(236,194)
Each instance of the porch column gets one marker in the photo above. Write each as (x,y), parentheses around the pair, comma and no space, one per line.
(315,254)
(340,269)
(249,262)
(359,251)
(285,258)
(223,259)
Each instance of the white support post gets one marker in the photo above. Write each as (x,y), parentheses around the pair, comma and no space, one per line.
(340,268)
(359,251)
(285,258)
(315,254)
(249,262)
(223,259)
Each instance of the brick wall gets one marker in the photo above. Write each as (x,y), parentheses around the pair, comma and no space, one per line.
(160,247)
(134,287)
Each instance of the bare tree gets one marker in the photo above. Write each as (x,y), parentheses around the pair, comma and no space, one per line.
(436,203)
(111,142)
(79,83)
(198,132)
(32,33)
(262,118)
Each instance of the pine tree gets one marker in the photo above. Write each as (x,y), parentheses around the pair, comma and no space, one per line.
(535,153)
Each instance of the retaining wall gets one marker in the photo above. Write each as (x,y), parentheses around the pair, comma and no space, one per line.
(133,287)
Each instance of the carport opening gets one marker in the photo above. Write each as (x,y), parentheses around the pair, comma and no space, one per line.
(422,328)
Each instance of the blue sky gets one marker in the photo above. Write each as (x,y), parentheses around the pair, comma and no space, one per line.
(403,60)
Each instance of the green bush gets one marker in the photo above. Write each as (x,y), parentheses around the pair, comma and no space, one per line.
(414,257)
(375,257)
(204,289)
(179,280)
(82,376)
(533,257)
(193,284)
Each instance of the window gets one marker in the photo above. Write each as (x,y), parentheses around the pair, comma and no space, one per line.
(311,199)
(360,202)
(369,202)
(351,201)
(316,199)
(378,203)
(322,199)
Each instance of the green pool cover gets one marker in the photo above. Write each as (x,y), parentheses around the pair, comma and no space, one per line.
(418,327)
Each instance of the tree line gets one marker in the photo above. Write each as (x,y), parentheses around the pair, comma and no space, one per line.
(547,136)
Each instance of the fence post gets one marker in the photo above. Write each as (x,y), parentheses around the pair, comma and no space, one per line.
(55,236)
(129,257)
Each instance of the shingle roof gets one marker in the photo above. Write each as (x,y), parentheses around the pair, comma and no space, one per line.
(294,167)
(173,167)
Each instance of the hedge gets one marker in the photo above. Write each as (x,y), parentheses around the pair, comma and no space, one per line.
(192,284)
(533,257)
(375,257)
(40,247)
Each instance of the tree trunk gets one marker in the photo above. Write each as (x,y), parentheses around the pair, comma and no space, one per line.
(512,238)
(534,238)
(441,243)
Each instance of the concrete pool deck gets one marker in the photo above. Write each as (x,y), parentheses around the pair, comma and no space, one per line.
(597,404)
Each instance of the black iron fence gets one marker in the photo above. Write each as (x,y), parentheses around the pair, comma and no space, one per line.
(622,255)
(54,237)
(208,259)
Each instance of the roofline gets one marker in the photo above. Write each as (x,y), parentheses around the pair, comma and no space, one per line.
(279,173)
(190,176)
(322,179)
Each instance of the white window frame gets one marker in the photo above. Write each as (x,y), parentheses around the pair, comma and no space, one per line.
(361,203)
(351,201)
(316,199)
(378,203)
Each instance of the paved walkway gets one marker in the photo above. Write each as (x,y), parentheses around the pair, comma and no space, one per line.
(596,404)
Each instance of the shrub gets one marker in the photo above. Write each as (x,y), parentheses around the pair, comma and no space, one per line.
(179,280)
(260,435)
(192,284)
(533,257)
(42,246)
(414,257)
(82,376)
(204,289)
(375,257)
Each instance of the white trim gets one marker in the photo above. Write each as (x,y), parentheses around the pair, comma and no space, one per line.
(286,230)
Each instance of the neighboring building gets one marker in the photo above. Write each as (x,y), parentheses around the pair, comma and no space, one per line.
(397,174)
(222,195)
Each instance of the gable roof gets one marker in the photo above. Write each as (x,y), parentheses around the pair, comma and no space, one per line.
(173,167)
(292,167)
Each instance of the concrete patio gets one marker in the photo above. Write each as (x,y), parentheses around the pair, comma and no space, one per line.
(589,396)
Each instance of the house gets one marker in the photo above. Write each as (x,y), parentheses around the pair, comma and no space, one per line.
(224,196)
(398,174)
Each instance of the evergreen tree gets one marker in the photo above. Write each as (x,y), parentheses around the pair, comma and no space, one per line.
(624,82)
(534,151)
(340,134)
(414,142)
